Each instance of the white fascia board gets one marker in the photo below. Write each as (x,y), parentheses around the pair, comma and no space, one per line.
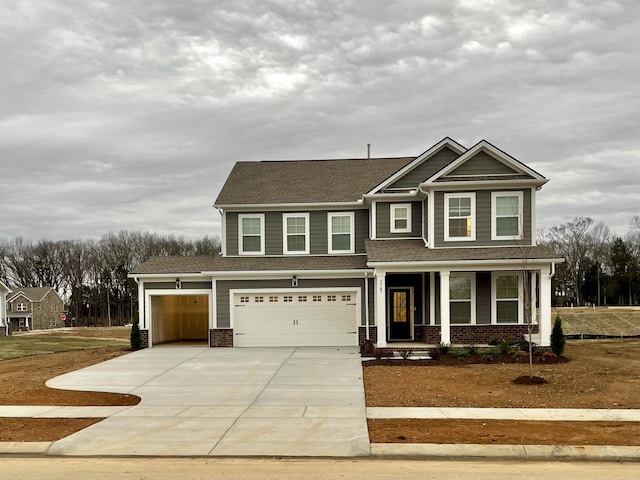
(445,142)
(16,295)
(169,277)
(4,287)
(260,207)
(496,153)
(464,265)
(280,274)
(481,184)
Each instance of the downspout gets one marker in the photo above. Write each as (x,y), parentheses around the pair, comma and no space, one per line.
(366,306)
(426,194)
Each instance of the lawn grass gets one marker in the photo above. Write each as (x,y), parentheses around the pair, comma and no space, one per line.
(26,346)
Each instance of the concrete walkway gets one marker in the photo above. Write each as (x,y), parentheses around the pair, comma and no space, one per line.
(232,402)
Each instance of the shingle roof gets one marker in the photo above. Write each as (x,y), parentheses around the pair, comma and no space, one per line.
(34,294)
(177,265)
(415,251)
(308,181)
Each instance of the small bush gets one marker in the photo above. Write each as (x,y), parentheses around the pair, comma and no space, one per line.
(135,339)
(444,348)
(504,347)
(520,355)
(405,353)
(547,356)
(461,353)
(557,337)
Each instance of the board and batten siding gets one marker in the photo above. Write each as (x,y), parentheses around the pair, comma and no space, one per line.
(223,307)
(482,164)
(483,221)
(383,220)
(318,231)
(426,169)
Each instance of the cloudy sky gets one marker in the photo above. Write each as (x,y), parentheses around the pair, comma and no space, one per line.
(130,114)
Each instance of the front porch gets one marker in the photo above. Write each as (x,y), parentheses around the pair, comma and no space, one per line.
(461,307)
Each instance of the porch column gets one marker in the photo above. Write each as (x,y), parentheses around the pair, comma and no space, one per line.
(142,319)
(381,308)
(445,317)
(533,285)
(545,309)
(432,298)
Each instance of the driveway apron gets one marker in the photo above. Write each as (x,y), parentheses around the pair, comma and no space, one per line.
(304,401)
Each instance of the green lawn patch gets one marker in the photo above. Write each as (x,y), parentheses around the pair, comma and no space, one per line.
(29,345)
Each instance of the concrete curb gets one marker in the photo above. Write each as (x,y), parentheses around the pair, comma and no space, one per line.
(24,448)
(602,453)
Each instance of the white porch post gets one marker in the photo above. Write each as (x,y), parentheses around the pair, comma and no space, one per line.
(533,285)
(545,309)
(141,313)
(381,308)
(213,312)
(432,298)
(445,317)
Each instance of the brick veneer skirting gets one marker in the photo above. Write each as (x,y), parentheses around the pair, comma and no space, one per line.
(472,334)
(221,337)
(144,338)
(362,334)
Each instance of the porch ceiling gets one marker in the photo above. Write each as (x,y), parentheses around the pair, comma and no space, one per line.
(415,251)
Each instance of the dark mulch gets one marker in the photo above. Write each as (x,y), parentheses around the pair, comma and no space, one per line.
(527,380)
(450,360)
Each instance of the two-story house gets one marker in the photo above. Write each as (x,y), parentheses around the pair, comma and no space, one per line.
(34,308)
(4,291)
(438,248)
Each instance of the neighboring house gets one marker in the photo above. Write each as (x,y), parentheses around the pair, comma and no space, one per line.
(4,291)
(34,308)
(438,248)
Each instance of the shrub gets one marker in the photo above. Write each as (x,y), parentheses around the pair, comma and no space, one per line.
(461,353)
(135,339)
(557,337)
(520,355)
(473,350)
(444,348)
(547,356)
(503,347)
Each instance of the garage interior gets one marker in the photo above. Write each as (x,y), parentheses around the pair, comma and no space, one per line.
(180,318)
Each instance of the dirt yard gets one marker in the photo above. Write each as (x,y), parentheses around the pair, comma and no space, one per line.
(600,374)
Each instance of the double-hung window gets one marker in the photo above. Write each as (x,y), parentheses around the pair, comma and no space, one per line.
(459,216)
(462,308)
(400,218)
(295,233)
(341,232)
(22,307)
(507,299)
(506,218)
(251,234)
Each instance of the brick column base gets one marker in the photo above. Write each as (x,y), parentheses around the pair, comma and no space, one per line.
(144,338)
(221,337)
(362,334)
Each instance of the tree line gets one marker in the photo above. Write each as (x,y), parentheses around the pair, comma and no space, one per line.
(90,275)
(600,268)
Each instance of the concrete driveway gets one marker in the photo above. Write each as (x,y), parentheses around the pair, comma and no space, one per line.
(303,401)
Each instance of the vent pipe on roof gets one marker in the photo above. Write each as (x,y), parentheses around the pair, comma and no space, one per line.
(368,150)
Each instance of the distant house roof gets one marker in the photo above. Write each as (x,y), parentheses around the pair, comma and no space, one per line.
(177,265)
(306,181)
(33,294)
(415,251)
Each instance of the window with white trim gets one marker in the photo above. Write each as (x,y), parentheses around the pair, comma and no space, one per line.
(22,307)
(506,218)
(400,218)
(341,232)
(459,216)
(295,233)
(251,234)
(462,308)
(507,299)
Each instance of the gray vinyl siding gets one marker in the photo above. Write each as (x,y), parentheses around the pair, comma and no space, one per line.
(232,233)
(318,234)
(273,233)
(223,306)
(426,169)
(483,298)
(483,164)
(483,221)
(383,220)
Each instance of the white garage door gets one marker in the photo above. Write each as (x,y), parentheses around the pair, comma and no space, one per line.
(309,318)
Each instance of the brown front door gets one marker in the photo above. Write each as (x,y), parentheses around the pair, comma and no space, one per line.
(400,313)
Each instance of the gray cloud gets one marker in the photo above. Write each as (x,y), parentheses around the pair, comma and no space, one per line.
(130,114)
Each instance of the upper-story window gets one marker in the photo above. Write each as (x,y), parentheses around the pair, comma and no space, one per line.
(400,218)
(459,216)
(295,233)
(21,307)
(506,218)
(341,232)
(251,234)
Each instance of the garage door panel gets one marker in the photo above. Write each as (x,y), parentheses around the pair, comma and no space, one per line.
(295,319)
